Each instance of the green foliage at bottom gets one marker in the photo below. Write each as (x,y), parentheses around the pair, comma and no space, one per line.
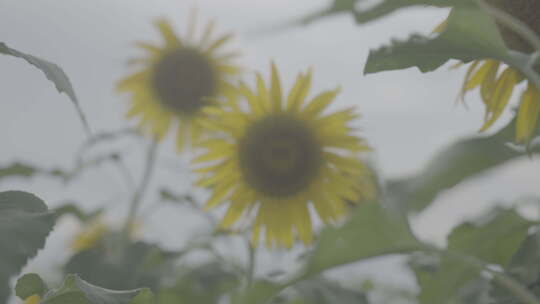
(74,290)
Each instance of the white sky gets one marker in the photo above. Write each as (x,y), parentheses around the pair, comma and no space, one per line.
(407,116)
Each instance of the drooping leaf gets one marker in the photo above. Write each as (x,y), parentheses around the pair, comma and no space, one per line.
(25,224)
(75,290)
(470,34)
(454,164)
(493,239)
(372,231)
(54,73)
(28,285)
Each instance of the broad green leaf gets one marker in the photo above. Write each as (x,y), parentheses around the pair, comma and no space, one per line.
(29,285)
(54,73)
(471,34)
(372,231)
(25,224)
(493,239)
(454,164)
(75,290)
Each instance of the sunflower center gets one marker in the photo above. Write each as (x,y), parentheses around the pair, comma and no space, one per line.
(279,155)
(528,11)
(182,79)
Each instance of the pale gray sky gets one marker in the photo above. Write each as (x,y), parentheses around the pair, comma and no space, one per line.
(407,116)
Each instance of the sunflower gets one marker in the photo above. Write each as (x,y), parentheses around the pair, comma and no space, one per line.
(278,156)
(497,81)
(178,80)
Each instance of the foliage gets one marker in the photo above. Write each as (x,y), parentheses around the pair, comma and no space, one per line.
(76,290)
(25,223)
(53,72)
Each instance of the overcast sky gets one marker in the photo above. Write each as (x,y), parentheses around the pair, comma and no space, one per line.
(406,115)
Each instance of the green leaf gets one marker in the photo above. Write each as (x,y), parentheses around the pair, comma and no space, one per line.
(73,209)
(17,169)
(493,239)
(323,291)
(454,164)
(65,175)
(54,73)
(372,231)
(25,224)
(524,267)
(259,292)
(471,34)
(145,296)
(29,285)
(75,290)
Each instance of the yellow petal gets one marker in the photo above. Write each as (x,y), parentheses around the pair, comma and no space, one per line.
(299,92)
(320,102)
(219,195)
(208,30)
(150,48)
(262,92)
(489,84)
(478,77)
(467,79)
(219,42)
(501,95)
(236,209)
(134,80)
(441,27)
(528,113)
(275,90)
(166,30)
(346,164)
(257,108)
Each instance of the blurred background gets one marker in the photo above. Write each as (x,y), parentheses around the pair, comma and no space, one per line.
(406,116)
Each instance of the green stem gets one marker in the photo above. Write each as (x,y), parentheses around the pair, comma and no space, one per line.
(512,23)
(141,189)
(525,32)
(252,256)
